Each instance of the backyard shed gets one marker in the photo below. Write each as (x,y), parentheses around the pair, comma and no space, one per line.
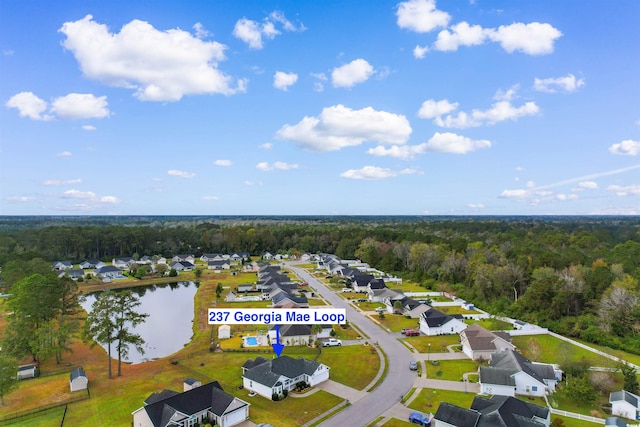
(224,332)
(78,379)
(26,371)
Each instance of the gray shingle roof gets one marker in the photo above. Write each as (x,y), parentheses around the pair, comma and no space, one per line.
(498,376)
(269,372)
(624,395)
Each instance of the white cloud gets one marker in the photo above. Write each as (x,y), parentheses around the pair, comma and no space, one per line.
(265,166)
(627,147)
(89,196)
(405,152)
(419,52)
(499,111)
(351,74)
(338,127)
(627,190)
(29,105)
(200,30)
(318,85)
(507,95)
(519,169)
(266,146)
(585,185)
(568,83)
(159,65)
(181,174)
(508,194)
(88,127)
(534,38)
(282,80)
(475,205)
(252,32)
(531,184)
(253,183)
(564,197)
(221,162)
(210,198)
(461,34)
(66,182)
(80,106)
(64,154)
(421,16)
(431,109)
(374,172)
(20,199)
(72,106)
(448,142)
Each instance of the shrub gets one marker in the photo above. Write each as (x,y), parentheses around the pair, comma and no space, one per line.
(275,397)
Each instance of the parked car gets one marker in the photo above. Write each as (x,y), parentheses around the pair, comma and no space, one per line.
(346,289)
(411,333)
(418,418)
(413,365)
(332,342)
(403,331)
(380,309)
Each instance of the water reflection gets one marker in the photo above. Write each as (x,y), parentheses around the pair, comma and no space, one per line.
(169,325)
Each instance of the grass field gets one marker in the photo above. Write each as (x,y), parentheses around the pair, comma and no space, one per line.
(451,370)
(428,400)
(394,422)
(396,322)
(438,343)
(549,349)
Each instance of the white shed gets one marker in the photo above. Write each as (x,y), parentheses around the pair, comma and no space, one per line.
(190,384)
(224,332)
(26,371)
(78,379)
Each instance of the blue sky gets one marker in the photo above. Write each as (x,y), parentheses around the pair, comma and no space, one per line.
(334,107)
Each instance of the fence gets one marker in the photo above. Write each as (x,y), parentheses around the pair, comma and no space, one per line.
(19,416)
(577,416)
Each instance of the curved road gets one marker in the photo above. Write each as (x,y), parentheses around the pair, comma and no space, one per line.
(399,379)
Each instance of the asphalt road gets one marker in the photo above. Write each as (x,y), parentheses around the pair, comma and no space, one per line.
(398,380)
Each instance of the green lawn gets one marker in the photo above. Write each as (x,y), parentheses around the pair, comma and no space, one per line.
(451,370)
(354,365)
(492,324)
(438,343)
(45,419)
(292,411)
(457,310)
(594,410)
(629,357)
(572,422)
(428,400)
(395,422)
(396,322)
(549,349)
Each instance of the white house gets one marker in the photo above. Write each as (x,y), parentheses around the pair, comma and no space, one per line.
(510,373)
(78,379)
(219,265)
(434,322)
(479,343)
(269,377)
(26,371)
(184,257)
(171,408)
(625,404)
(123,262)
(493,411)
(182,266)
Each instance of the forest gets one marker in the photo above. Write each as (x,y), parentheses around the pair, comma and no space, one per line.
(578,276)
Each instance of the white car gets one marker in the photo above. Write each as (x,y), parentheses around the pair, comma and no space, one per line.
(346,289)
(331,342)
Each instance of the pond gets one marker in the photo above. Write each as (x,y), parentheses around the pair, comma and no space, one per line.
(169,325)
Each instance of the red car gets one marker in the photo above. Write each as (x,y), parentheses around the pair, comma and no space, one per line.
(411,333)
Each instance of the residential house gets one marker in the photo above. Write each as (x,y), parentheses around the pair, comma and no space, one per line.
(269,377)
(78,380)
(625,404)
(173,409)
(252,266)
(408,306)
(614,422)
(523,326)
(211,257)
(219,265)
(496,411)
(360,282)
(267,256)
(62,265)
(108,272)
(287,300)
(380,295)
(123,262)
(73,274)
(91,264)
(298,334)
(184,257)
(145,260)
(161,260)
(479,343)
(510,373)
(434,322)
(247,287)
(182,266)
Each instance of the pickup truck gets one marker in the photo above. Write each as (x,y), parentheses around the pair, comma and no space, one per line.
(332,342)
(418,418)
(411,333)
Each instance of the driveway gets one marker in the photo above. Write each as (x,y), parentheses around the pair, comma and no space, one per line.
(398,380)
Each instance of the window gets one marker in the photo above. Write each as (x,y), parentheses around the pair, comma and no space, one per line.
(534,388)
